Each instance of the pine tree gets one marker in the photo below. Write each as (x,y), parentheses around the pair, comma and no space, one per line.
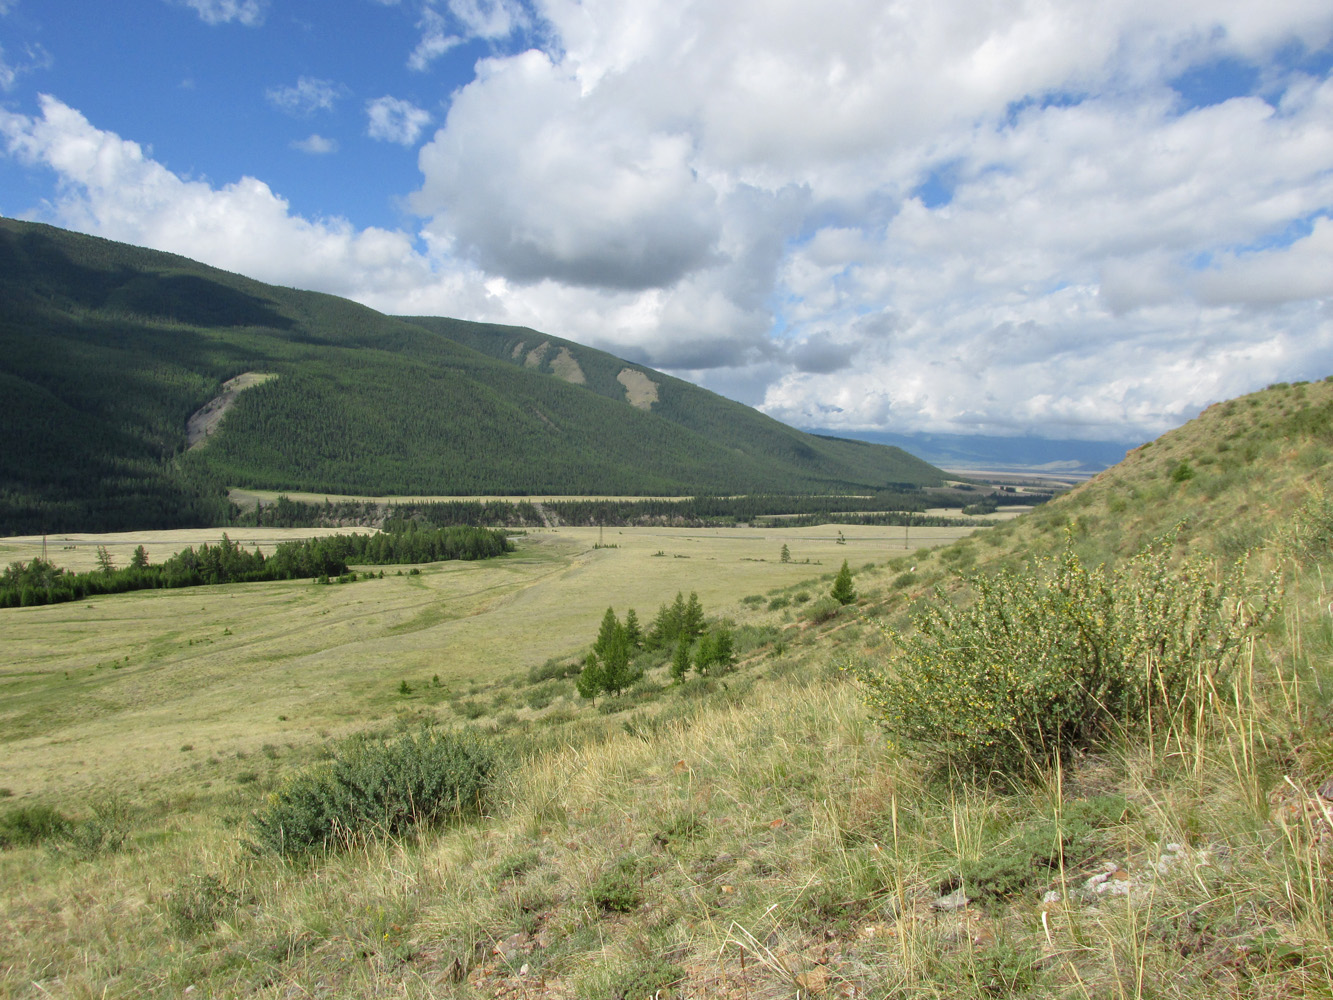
(785,555)
(692,623)
(724,657)
(591,679)
(704,659)
(139,560)
(842,591)
(633,633)
(680,662)
(617,674)
(606,635)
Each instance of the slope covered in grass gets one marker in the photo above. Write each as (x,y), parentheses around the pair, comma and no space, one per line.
(755,835)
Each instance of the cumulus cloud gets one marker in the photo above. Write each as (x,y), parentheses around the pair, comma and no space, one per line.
(316,145)
(395,120)
(305,97)
(247,12)
(1009,218)
(537,182)
(110,187)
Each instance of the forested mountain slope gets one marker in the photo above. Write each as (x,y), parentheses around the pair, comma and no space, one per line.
(107,349)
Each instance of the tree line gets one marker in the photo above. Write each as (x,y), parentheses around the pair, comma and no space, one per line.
(40,582)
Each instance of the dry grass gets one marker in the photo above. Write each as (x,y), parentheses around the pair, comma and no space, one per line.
(750,837)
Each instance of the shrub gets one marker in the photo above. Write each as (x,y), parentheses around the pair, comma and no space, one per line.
(1051,659)
(197,903)
(28,826)
(104,832)
(618,889)
(379,787)
(824,609)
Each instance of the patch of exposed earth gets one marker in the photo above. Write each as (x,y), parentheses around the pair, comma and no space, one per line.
(208,417)
(640,390)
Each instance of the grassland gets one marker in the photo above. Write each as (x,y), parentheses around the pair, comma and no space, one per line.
(108,690)
(746,836)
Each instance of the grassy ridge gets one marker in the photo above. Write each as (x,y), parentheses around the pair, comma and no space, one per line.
(106,350)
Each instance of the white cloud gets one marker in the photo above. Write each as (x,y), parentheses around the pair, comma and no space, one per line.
(111,188)
(395,120)
(460,21)
(869,214)
(247,12)
(305,97)
(436,40)
(35,58)
(316,145)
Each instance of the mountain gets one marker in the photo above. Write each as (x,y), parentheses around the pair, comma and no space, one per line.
(106,350)
(984,452)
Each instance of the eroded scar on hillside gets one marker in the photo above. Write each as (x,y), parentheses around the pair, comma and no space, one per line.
(204,421)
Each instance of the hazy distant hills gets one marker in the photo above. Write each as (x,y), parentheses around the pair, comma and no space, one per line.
(987,452)
(106,350)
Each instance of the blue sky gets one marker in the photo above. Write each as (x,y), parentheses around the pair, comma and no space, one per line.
(1024,217)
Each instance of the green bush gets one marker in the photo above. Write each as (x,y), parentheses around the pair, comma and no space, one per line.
(619,889)
(197,903)
(379,787)
(104,832)
(823,610)
(1051,659)
(28,826)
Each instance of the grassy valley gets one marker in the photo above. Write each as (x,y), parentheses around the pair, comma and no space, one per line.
(754,833)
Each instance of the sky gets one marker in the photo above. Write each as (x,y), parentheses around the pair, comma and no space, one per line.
(1012,217)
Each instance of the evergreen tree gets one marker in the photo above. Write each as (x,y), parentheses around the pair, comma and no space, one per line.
(139,560)
(591,679)
(785,555)
(724,656)
(842,591)
(104,560)
(617,674)
(704,659)
(680,662)
(633,633)
(692,622)
(606,635)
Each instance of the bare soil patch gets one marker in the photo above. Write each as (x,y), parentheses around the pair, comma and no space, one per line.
(566,367)
(206,420)
(640,390)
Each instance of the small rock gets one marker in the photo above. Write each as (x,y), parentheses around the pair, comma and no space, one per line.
(956,900)
(1326,790)
(1051,896)
(523,970)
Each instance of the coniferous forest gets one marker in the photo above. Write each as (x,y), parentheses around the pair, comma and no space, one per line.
(40,582)
(106,350)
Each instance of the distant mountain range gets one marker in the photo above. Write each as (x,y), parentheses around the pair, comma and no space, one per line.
(107,351)
(967,452)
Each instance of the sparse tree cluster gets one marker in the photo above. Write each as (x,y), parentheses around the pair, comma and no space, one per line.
(609,667)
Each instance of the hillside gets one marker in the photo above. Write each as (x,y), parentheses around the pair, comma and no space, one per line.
(107,350)
(756,834)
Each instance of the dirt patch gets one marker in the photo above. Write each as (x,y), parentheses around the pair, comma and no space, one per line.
(518,349)
(206,420)
(566,367)
(640,390)
(537,355)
